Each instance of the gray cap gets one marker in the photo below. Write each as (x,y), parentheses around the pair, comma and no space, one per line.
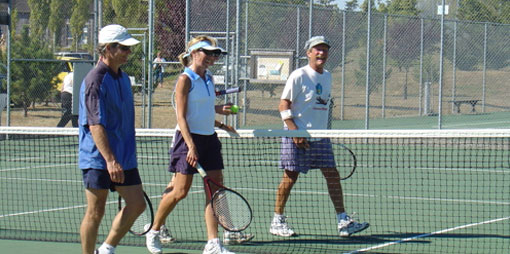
(316,40)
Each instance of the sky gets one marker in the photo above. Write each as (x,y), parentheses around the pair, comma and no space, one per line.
(341,3)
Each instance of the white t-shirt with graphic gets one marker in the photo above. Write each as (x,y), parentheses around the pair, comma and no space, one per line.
(310,93)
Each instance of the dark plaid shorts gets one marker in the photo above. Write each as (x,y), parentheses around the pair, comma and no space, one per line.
(319,155)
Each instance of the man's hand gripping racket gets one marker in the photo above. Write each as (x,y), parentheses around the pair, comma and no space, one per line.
(230,208)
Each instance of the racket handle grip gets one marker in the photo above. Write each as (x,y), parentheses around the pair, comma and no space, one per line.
(201,170)
(228,91)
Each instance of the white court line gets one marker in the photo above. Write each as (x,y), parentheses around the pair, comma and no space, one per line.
(494,171)
(477,123)
(428,234)
(39,180)
(69,207)
(31,167)
(473,201)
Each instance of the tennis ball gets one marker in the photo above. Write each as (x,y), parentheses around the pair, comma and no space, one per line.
(234,109)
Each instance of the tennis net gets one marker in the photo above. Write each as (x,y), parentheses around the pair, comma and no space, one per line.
(422,191)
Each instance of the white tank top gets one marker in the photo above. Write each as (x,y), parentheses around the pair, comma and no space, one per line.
(200,113)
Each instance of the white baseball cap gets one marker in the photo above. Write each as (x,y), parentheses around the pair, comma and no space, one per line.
(316,40)
(116,34)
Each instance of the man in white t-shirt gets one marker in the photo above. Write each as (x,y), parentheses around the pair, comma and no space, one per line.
(305,105)
(66,98)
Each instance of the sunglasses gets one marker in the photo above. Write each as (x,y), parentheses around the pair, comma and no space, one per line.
(122,47)
(215,53)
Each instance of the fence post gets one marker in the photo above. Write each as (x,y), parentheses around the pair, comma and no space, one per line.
(441,55)
(342,99)
(367,84)
(383,103)
(421,69)
(484,74)
(454,65)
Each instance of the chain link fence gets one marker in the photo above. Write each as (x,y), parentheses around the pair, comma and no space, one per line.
(265,43)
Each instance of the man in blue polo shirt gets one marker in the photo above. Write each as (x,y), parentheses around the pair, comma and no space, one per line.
(107,151)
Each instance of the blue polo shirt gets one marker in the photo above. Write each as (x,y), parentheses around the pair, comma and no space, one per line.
(106,99)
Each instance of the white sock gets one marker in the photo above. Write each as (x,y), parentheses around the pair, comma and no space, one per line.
(214,240)
(156,232)
(341,216)
(106,249)
(277,216)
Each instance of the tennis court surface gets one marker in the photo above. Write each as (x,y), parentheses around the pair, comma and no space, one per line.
(422,191)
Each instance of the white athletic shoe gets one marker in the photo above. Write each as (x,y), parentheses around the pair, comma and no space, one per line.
(348,226)
(280,227)
(231,238)
(153,243)
(215,247)
(164,234)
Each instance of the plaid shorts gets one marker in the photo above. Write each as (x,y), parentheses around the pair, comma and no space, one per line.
(319,155)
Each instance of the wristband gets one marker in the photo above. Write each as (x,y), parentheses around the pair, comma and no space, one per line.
(286,114)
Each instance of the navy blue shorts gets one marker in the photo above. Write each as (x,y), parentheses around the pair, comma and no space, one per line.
(100,179)
(319,155)
(209,153)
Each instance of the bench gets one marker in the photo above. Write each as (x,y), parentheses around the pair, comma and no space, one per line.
(457,104)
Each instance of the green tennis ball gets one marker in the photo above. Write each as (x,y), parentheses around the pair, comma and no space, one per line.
(234,109)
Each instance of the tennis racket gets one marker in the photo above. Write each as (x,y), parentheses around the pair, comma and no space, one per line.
(230,208)
(139,227)
(218,93)
(345,159)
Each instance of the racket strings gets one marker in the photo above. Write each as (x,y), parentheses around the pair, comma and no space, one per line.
(232,211)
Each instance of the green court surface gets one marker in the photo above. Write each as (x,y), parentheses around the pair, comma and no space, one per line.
(420,195)
(37,247)
(458,121)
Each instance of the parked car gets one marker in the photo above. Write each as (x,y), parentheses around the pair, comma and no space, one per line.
(80,55)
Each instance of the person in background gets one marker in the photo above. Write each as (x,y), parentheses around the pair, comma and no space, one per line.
(107,149)
(158,69)
(195,140)
(66,98)
(304,105)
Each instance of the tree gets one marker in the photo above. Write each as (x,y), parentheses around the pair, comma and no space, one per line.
(170,28)
(31,81)
(130,13)
(403,36)
(108,12)
(403,7)
(78,20)
(57,19)
(351,5)
(39,17)
(470,37)
(364,6)
(475,10)
(376,64)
